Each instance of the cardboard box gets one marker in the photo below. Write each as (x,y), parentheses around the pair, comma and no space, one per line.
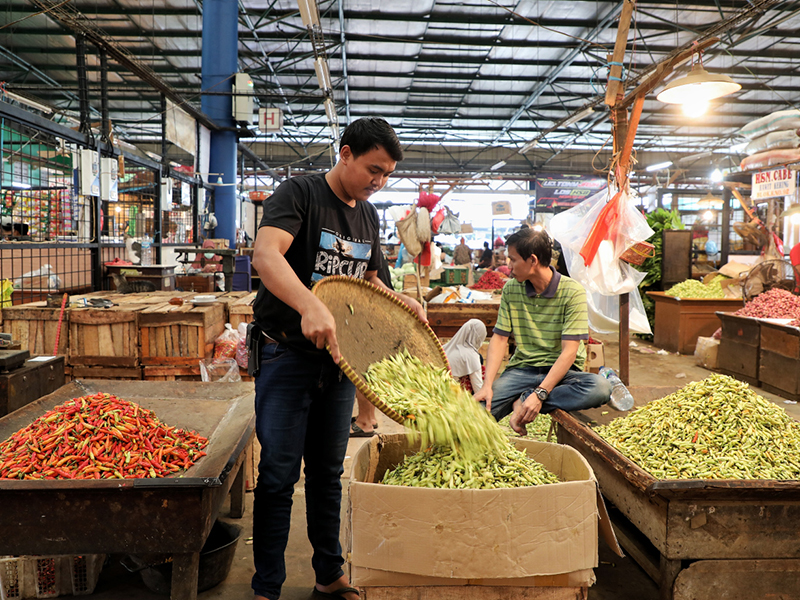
(705,353)
(403,536)
(595,358)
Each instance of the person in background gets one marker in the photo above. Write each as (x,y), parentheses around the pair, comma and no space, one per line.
(313,226)
(462,255)
(463,354)
(486,258)
(547,315)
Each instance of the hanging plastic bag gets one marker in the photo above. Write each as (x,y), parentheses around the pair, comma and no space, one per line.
(436,220)
(225,344)
(605,277)
(224,371)
(450,225)
(242,353)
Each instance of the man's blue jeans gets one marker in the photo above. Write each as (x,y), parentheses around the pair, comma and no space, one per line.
(576,391)
(303,409)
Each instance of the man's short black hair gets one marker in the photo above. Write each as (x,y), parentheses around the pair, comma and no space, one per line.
(363,135)
(529,242)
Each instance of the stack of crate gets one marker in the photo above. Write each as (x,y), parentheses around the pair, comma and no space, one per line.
(174,339)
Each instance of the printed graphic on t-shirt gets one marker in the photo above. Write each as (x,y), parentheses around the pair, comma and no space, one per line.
(339,255)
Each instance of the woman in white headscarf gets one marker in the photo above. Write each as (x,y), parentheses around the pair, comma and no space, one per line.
(462,354)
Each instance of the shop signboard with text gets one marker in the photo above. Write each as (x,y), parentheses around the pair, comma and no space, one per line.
(555,190)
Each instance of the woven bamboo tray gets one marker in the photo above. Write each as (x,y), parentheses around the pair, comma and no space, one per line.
(371,325)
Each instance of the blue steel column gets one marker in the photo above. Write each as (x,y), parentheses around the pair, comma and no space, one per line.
(219,63)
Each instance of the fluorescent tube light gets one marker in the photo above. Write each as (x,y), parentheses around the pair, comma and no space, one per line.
(578,117)
(659,166)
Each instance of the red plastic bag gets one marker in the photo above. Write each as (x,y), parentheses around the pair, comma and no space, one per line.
(436,220)
(225,344)
(604,228)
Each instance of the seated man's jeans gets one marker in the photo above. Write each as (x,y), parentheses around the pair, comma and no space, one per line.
(303,408)
(576,391)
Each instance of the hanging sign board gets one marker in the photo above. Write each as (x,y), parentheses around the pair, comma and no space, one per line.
(270,119)
(773,183)
(501,207)
(561,189)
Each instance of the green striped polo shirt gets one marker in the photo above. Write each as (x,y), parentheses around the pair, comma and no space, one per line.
(539,322)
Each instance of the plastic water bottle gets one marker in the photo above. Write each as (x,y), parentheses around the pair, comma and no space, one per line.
(621,398)
(147,252)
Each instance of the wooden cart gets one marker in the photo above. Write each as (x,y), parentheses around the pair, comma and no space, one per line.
(171,515)
(698,539)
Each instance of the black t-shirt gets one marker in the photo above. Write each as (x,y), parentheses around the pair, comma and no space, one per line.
(330,238)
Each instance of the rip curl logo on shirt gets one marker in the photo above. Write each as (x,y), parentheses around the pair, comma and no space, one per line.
(338,255)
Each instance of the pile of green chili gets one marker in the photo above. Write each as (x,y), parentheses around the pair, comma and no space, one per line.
(717,428)
(463,446)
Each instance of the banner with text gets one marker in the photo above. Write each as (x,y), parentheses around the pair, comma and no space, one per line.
(563,190)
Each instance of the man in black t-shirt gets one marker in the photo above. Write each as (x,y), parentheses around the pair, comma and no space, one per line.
(313,226)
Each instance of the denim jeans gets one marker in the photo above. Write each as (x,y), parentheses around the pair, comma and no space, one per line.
(303,409)
(576,391)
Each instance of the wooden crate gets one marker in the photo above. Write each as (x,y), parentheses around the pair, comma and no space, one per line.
(241,311)
(779,360)
(446,319)
(680,321)
(171,373)
(105,337)
(738,354)
(35,325)
(474,592)
(116,373)
(179,335)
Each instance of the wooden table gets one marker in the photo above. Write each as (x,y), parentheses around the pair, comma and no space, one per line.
(163,276)
(228,260)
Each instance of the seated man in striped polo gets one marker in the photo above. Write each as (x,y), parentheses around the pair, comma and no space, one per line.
(546,313)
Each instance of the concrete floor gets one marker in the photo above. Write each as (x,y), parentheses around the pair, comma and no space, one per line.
(617,578)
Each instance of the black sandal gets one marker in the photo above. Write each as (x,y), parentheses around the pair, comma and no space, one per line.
(336,594)
(353,420)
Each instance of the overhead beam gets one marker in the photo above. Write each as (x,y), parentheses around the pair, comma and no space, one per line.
(554,73)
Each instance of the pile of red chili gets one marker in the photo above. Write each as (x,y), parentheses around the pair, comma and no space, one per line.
(98,437)
(773,304)
(491,280)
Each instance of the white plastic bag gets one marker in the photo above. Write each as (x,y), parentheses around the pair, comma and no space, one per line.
(607,276)
(223,371)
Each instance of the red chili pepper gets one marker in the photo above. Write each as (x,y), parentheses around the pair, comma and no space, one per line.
(99,436)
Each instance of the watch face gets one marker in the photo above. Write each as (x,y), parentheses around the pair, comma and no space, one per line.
(542,394)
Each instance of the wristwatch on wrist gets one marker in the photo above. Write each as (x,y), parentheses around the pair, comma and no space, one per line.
(541,393)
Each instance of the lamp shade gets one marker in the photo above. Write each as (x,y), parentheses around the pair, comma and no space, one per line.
(791,211)
(698,86)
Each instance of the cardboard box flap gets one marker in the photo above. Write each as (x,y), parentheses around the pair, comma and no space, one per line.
(606,529)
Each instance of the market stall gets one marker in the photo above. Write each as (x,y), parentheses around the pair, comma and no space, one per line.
(171,515)
(698,539)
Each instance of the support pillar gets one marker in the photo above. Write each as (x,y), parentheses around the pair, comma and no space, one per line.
(219,64)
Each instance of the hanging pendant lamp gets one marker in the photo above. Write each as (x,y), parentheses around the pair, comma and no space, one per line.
(699,86)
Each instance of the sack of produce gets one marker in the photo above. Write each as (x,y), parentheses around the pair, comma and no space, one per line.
(226,343)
